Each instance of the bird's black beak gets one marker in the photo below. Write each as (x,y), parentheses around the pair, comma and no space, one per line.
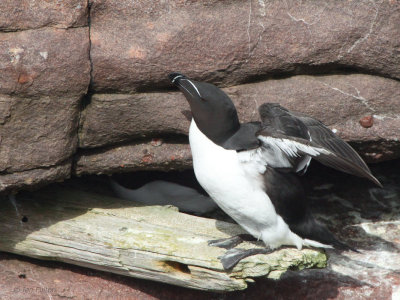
(174,77)
(187,87)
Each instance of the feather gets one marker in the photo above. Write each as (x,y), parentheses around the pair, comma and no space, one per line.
(299,137)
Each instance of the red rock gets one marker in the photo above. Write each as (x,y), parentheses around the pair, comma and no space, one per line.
(135,44)
(38,132)
(231,42)
(44,74)
(24,78)
(156,142)
(27,14)
(337,100)
(148,158)
(34,178)
(131,156)
(115,118)
(55,62)
(367,121)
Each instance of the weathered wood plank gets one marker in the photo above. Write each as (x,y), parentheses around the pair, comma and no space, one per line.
(150,242)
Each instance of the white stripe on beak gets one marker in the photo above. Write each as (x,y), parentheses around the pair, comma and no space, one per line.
(193,86)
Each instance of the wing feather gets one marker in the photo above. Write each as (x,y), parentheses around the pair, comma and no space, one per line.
(294,147)
(323,136)
(297,136)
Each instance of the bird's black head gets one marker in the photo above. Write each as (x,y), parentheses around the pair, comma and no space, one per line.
(213,111)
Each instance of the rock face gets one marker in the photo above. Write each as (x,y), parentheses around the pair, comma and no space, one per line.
(46,61)
(231,41)
(44,75)
(337,61)
(155,155)
(26,14)
(340,101)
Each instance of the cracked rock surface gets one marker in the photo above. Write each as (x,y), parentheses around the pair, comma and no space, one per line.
(229,42)
(83,83)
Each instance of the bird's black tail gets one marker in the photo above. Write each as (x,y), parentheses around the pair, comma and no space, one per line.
(311,229)
(288,196)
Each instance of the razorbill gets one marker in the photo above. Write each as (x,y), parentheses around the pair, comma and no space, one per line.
(247,169)
(160,192)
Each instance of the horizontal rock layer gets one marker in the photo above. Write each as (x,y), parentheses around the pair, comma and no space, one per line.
(336,100)
(27,14)
(340,101)
(231,42)
(37,177)
(154,155)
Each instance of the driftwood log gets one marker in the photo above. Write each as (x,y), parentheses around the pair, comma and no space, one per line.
(149,242)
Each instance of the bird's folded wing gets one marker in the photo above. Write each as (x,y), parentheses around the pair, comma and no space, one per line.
(295,147)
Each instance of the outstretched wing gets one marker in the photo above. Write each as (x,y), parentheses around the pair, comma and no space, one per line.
(288,140)
(323,136)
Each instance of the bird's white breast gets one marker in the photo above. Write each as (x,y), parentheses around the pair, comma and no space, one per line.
(234,181)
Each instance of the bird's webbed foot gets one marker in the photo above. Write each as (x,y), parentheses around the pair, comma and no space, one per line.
(231,242)
(233,256)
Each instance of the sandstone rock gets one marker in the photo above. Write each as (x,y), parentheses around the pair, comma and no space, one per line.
(20,278)
(231,42)
(34,178)
(337,100)
(44,74)
(113,118)
(134,44)
(134,157)
(48,61)
(27,14)
(36,132)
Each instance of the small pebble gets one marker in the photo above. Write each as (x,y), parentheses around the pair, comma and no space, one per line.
(367,121)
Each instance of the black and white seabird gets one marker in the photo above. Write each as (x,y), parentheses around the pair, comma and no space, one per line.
(160,192)
(249,169)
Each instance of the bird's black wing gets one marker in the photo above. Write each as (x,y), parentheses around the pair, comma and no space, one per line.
(277,119)
(323,136)
(308,137)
